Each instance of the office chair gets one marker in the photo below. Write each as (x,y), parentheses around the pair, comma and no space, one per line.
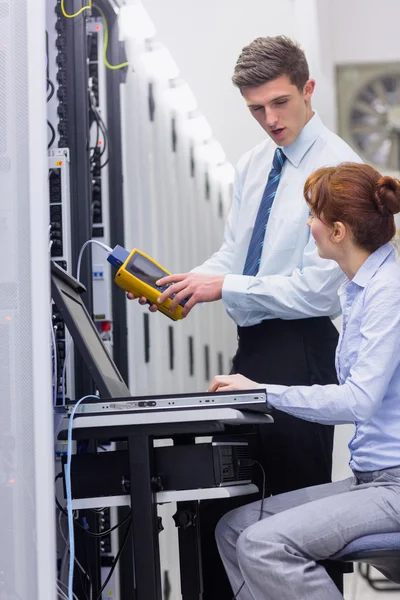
(381,551)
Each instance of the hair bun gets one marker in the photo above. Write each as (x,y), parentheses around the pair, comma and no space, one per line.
(387,195)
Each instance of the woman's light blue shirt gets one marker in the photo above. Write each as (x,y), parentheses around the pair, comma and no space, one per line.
(367,365)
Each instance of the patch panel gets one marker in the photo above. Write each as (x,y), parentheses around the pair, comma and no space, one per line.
(101,272)
(60,251)
(61,78)
(56,237)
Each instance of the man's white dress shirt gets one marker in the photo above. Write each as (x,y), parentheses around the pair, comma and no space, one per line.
(293,281)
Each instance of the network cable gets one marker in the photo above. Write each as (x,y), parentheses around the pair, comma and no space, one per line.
(78,274)
(105,45)
(61,592)
(53,135)
(71,532)
(116,559)
(71,521)
(54,344)
(96,144)
(104,246)
(105,163)
(50,85)
(83,571)
(69,450)
(55,358)
(100,127)
(60,528)
(87,531)
(80,11)
(69,345)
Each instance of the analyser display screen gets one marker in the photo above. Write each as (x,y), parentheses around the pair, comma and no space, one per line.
(145,270)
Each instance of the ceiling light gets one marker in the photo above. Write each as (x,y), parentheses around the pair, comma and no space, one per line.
(212,152)
(181,99)
(159,63)
(135,23)
(198,128)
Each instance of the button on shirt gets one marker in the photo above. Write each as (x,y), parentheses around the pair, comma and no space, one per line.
(368,368)
(292,282)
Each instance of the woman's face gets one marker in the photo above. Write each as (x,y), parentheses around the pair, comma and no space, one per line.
(322,235)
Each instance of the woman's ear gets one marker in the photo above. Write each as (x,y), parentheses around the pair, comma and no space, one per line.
(339,232)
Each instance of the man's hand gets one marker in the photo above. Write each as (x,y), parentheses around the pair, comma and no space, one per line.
(194,286)
(142,301)
(227,383)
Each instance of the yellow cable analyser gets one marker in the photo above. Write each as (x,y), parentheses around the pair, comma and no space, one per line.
(138,273)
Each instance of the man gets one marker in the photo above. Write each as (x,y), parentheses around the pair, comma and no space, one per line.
(268,272)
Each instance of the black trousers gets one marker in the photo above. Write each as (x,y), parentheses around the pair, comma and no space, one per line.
(293,452)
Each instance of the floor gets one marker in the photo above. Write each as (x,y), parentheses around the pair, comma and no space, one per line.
(356,588)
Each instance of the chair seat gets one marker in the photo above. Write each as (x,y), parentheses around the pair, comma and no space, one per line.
(370,546)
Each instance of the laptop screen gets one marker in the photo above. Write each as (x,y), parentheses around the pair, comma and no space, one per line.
(66,295)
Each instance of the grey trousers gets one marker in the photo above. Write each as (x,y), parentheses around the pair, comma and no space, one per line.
(276,556)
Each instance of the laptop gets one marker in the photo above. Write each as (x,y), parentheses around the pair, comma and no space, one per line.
(115,396)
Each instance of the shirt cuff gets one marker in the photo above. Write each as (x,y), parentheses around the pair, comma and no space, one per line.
(233,290)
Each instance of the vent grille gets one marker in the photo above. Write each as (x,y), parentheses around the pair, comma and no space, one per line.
(232,470)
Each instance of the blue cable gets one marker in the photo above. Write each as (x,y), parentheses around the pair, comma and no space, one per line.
(69,499)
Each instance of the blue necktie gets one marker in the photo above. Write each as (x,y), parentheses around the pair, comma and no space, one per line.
(253,258)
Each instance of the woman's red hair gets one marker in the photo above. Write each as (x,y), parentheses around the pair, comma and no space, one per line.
(358,196)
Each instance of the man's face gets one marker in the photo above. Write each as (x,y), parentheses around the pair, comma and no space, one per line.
(280,107)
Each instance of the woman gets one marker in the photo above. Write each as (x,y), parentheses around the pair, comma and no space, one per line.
(274,556)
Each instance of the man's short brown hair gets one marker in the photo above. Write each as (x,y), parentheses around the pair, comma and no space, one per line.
(268,58)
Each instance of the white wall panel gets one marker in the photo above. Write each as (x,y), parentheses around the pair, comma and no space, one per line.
(365,31)
(205,38)
(136,212)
